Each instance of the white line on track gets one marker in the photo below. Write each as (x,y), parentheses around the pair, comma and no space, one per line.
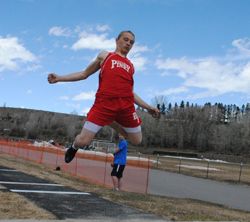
(50,192)
(8,170)
(25,183)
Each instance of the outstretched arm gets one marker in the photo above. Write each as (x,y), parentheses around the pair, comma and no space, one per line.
(91,68)
(152,110)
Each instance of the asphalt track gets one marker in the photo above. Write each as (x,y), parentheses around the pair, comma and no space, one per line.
(235,196)
(67,203)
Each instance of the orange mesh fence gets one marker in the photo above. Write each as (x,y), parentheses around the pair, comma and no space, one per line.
(94,167)
(92,170)
(137,177)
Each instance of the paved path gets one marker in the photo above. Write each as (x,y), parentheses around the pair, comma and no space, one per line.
(67,203)
(236,196)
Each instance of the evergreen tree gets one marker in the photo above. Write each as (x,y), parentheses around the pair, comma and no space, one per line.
(182,105)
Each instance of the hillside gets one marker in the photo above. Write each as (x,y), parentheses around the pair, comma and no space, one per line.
(38,124)
(174,132)
(43,125)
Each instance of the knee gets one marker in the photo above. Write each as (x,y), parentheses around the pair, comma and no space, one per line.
(81,141)
(136,140)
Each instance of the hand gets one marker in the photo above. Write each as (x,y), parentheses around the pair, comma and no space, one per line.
(52,78)
(154,112)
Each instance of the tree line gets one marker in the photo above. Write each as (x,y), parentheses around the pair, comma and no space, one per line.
(43,125)
(217,128)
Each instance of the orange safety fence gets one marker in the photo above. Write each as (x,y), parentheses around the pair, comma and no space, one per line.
(94,167)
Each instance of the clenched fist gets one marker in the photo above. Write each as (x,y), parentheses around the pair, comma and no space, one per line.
(52,78)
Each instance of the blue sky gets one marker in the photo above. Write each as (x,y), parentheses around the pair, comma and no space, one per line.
(192,50)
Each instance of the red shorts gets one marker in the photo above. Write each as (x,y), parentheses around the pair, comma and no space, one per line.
(107,110)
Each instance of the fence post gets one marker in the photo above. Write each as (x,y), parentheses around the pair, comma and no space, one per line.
(105,168)
(180,166)
(57,154)
(157,161)
(76,167)
(241,166)
(148,175)
(41,158)
(207,168)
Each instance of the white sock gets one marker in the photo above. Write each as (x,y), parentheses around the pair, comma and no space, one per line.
(73,146)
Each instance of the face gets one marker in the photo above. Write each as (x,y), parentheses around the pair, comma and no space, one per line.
(121,137)
(125,43)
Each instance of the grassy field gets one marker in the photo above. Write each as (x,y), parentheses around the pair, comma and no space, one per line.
(13,206)
(212,169)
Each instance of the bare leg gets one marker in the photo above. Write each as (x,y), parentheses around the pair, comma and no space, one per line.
(84,138)
(134,138)
(118,128)
(119,183)
(81,140)
(115,182)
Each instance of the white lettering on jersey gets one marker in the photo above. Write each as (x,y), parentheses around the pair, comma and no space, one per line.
(135,117)
(119,64)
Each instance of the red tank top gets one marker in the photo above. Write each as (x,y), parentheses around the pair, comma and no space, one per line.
(116,77)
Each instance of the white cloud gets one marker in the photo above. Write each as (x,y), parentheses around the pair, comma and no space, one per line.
(84,111)
(96,38)
(138,60)
(139,49)
(102,28)
(33,67)
(59,31)
(94,42)
(243,45)
(84,96)
(211,76)
(172,91)
(12,53)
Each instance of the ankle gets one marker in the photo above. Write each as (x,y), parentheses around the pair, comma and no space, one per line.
(73,146)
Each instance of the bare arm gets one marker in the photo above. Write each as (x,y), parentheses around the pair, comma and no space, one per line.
(152,110)
(117,150)
(91,68)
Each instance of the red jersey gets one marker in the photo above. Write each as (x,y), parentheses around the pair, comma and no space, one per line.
(116,77)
